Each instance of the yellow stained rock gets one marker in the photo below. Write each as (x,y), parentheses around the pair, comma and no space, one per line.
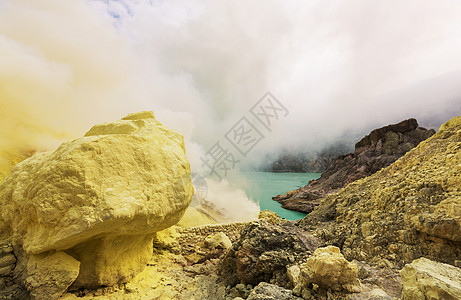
(414,204)
(328,268)
(50,274)
(426,279)
(100,198)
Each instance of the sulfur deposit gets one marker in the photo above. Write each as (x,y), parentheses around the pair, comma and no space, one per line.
(89,210)
(426,279)
(410,209)
(328,268)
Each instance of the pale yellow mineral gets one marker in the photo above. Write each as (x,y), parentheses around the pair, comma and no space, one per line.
(100,198)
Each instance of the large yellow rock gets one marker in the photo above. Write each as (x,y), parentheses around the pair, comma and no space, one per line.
(426,279)
(100,198)
(328,268)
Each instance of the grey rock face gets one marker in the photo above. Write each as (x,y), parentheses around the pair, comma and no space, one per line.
(267,291)
(263,253)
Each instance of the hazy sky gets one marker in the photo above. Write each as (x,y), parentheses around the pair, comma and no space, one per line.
(337,66)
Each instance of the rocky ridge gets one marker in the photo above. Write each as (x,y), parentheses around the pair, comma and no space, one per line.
(410,209)
(375,151)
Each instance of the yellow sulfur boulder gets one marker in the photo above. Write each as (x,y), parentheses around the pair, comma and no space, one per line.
(328,268)
(427,279)
(100,198)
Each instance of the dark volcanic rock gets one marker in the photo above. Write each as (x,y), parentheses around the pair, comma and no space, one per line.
(264,251)
(375,151)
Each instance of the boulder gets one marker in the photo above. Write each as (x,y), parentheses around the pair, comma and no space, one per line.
(294,273)
(218,240)
(328,268)
(427,279)
(267,291)
(263,253)
(100,198)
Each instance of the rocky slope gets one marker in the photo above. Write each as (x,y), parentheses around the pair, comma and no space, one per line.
(375,151)
(85,215)
(410,209)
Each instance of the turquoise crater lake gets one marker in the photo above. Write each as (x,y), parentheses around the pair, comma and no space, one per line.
(262,186)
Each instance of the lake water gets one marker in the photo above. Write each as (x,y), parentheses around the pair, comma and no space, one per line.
(262,186)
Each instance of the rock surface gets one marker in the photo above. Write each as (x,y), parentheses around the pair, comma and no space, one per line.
(328,268)
(426,279)
(50,275)
(8,288)
(410,209)
(218,240)
(183,268)
(100,198)
(375,151)
(267,291)
(263,253)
